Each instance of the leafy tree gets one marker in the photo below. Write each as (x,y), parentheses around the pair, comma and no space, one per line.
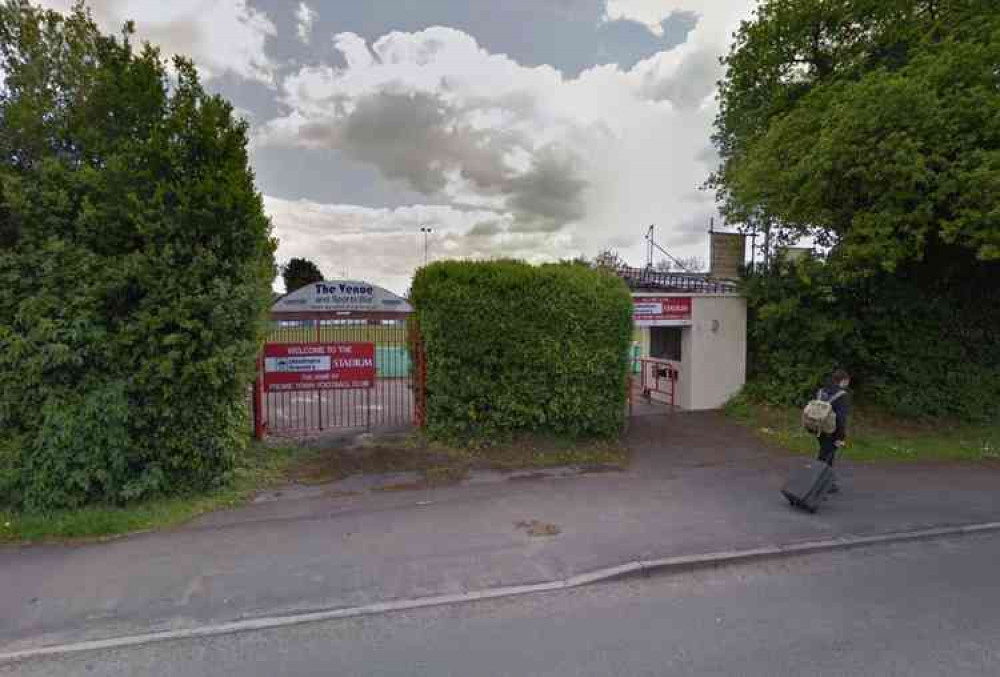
(915,350)
(135,268)
(609,258)
(870,125)
(297,273)
(691,264)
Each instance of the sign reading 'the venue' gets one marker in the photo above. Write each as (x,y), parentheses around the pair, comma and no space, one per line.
(341,295)
(661,311)
(318,366)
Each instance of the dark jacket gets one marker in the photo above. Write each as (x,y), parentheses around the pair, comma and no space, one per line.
(842,407)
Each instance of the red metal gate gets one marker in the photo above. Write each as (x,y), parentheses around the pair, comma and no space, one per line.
(312,376)
(658,380)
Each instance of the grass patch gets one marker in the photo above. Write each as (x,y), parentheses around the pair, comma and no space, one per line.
(267,465)
(440,464)
(873,436)
(381,334)
(263,465)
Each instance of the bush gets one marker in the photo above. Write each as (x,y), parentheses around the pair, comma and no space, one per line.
(796,333)
(516,348)
(919,343)
(135,269)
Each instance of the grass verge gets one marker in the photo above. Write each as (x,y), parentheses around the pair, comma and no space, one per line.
(439,464)
(873,437)
(267,465)
(263,465)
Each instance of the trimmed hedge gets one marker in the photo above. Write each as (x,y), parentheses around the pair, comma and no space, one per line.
(513,348)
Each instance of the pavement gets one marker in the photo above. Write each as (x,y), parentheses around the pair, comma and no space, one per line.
(698,484)
(844,613)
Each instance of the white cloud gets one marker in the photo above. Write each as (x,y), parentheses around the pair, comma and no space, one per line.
(437,111)
(385,246)
(354,49)
(651,13)
(556,166)
(305,17)
(221,36)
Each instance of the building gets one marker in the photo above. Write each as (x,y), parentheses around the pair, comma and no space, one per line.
(691,335)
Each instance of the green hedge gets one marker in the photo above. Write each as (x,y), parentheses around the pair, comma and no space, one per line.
(513,347)
(135,270)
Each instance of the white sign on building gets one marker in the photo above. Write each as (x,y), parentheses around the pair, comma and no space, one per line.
(341,295)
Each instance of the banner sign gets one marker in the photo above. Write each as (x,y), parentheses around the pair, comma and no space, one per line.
(661,311)
(341,295)
(318,366)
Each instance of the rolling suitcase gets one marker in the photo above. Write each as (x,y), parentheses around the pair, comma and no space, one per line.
(809,485)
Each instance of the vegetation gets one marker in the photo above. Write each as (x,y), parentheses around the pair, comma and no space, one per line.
(691,264)
(868,124)
(871,128)
(135,269)
(516,348)
(874,437)
(270,466)
(298,273)
(259,467)
(439,464)
(926,350)
(384,334)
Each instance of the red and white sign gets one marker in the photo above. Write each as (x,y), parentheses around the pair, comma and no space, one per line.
(661,311)
(318,366)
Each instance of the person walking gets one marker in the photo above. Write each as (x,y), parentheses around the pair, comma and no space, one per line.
(837,394)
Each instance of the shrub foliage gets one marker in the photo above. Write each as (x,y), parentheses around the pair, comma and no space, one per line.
(922,342)
(512,347)
(135,268)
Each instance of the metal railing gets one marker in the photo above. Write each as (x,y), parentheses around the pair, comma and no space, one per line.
(648,278)
(658,380)
(388,403)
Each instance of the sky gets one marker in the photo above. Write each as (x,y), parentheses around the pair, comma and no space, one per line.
(534,129)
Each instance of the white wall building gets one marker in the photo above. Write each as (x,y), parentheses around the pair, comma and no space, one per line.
(692,336)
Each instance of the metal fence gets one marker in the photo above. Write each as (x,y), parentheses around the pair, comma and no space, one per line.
(387,404)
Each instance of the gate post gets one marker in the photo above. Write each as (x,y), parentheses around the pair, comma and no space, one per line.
(259,428)
(418,379)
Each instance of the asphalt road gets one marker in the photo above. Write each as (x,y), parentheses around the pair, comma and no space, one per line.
(697,484)
(930,608)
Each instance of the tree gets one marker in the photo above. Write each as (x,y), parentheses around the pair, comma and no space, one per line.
(872,126)
(135,268)
(609,258)
(297,273)
(869,125)
(691,264)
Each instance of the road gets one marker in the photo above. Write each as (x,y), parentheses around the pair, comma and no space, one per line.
(697,484)
(929,608)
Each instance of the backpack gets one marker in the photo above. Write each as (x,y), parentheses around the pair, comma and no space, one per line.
(818,417)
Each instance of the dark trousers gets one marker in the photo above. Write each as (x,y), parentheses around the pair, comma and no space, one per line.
(827,449)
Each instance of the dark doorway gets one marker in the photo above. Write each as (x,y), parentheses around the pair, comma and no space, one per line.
(665,343)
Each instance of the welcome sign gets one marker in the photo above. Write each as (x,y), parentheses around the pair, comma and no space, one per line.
(661,311)
(341,295)
(318,366)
